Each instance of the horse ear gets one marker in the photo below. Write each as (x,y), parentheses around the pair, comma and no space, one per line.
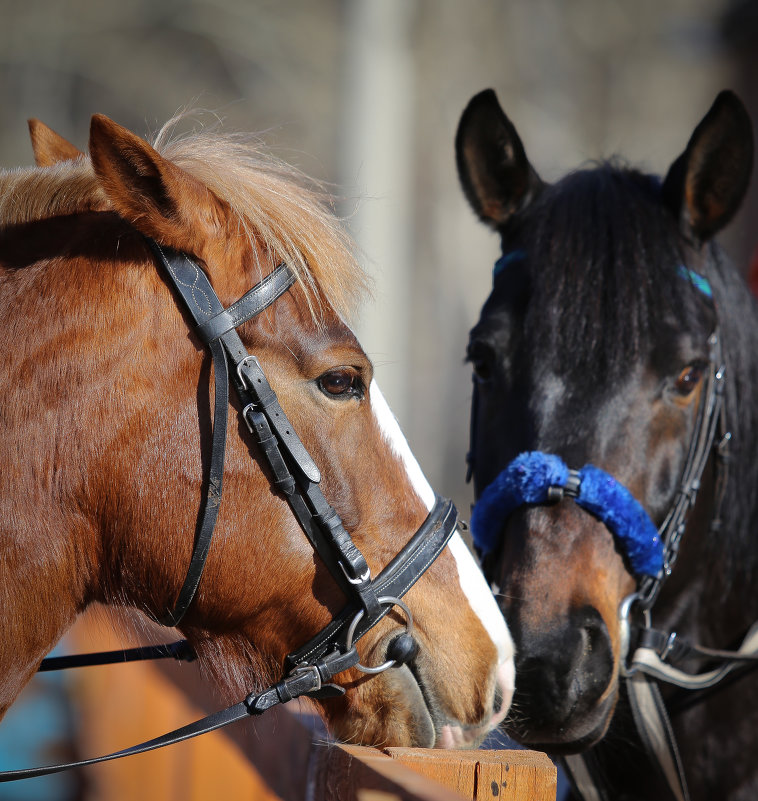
(49,147)
(707,183)
(494,171)
(160,199)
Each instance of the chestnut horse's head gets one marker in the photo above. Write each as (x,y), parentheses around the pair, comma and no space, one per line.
(593,349)
(107,429)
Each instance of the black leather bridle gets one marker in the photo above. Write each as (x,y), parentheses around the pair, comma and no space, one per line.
(309,670)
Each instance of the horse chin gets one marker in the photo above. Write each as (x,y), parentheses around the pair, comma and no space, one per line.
(571,736)
(403,711)
(389,710)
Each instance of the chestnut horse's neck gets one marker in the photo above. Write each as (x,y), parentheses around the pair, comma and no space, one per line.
(56,370)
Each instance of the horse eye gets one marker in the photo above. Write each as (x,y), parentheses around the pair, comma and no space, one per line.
(688,379)
(341,382)
(482,357)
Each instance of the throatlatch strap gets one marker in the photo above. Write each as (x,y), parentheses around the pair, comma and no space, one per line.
(212,494)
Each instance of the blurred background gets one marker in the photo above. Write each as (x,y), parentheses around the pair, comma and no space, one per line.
(366,95)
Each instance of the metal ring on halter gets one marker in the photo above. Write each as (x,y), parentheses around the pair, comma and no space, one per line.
(625,608)
(384,599)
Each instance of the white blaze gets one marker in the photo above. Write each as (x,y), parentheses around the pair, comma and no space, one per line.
(471,579)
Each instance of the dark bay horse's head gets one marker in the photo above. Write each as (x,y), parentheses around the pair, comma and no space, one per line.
(106,434)
(592,346)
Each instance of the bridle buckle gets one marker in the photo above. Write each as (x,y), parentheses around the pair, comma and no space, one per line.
(362,579)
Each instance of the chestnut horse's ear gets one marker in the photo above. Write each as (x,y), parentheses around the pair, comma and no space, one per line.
(160,199)
(707,183)
(494,171)
(48,146)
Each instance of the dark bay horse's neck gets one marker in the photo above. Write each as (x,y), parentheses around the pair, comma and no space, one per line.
(733,551)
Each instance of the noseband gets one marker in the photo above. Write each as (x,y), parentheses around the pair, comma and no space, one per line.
(309,670)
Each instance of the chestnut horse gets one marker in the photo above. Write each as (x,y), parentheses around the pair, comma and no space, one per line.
(614,362)
(106,435)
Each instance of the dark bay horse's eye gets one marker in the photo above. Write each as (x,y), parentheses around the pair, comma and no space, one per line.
(688,379)
(482,358)
(342,382)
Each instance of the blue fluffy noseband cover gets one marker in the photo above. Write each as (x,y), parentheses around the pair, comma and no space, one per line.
(526,481)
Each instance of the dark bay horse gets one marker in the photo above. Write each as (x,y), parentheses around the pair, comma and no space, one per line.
(105,435)
(615,371)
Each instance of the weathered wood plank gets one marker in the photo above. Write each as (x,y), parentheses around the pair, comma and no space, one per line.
(485,775)
(356,773)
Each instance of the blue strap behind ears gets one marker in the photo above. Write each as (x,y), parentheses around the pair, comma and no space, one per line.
(700,282)
(526,480)
(506,259)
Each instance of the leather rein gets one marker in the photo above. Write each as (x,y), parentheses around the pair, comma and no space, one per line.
(308,670)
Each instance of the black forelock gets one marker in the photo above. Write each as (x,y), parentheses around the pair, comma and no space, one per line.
(602,253)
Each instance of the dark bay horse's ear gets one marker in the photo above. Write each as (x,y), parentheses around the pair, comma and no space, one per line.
(48,146)
(160,199)
(494,171)
(707,183)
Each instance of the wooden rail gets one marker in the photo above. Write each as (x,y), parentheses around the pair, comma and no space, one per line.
(273,758)
(419,774)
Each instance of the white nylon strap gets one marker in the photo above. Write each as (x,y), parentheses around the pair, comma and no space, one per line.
(582,778)
(654,728)
(647,660)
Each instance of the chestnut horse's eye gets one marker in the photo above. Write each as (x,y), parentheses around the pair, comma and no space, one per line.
(342,382)
(688,379)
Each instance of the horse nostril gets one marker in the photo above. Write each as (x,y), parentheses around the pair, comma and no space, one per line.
(564,670)
(595,636)
(402,649)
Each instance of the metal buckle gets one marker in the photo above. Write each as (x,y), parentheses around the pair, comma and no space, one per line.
(362,579)
(306,669)
(385,599)
(668,647)
(249,407)
(243,363)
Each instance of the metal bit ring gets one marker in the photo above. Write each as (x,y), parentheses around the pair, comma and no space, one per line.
(384,600)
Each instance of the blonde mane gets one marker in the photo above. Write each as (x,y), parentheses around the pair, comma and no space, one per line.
(275,204)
